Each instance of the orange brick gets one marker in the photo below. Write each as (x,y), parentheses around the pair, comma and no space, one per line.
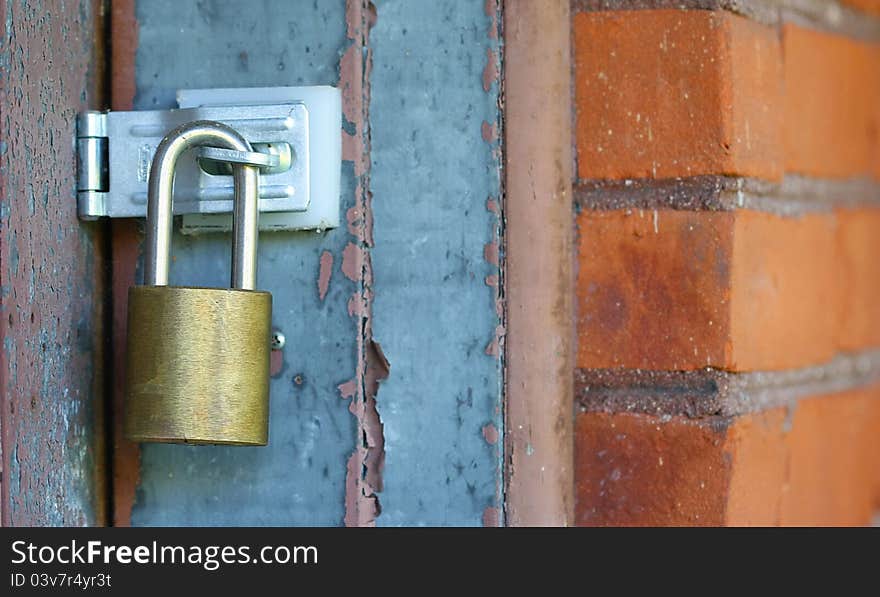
(678,290)
(783,291)
(815,465)
(859,283)
(757,443)
(869,6)
(874,448)
(832,104)
(666,93)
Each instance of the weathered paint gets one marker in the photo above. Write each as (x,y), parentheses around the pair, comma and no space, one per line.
(539,281)
(324,274)
(51,269)
(363,478)
(300,477)
(434,293)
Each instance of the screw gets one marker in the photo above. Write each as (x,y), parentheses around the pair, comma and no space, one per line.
(278,339)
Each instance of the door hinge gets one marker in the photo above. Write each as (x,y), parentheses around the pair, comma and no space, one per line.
(115,150)
(92,165)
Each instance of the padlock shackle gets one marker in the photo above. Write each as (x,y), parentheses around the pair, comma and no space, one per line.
(160,209)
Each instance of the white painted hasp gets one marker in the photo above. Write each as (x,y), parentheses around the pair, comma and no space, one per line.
(324,106)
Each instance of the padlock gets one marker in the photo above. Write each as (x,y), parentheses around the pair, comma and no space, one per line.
(198,358)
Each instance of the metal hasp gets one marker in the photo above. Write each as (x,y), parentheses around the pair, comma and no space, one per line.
(296,141)
(115,150)
(197,362)
(324,105)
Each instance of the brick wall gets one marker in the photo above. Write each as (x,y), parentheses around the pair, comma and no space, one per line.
(728,214)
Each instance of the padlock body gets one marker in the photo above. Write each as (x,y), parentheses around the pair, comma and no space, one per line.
(198,365)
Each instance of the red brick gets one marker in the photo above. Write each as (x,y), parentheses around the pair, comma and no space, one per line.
(815,465)
(653,289)
(666,93)
(832,104)
(638,470)
(678,290)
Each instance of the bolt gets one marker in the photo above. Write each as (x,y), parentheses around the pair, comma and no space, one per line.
(278,339)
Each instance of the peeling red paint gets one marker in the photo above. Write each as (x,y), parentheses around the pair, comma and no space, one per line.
(489,132)
(360,511)
(367,233)
(357,305)
(276,363)
(364,469)
(355,220)
(326,269)
(491,8)
(492,517)
(353,262)
(490,72)
(351,151)
(493,252)
(365,465)
(490,252)
(348,389)
(351,87)
(492,255)
(494,347)
(377,370)
(359,226)
(490,434)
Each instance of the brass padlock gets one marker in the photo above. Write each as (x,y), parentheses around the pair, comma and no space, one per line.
(198,358)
